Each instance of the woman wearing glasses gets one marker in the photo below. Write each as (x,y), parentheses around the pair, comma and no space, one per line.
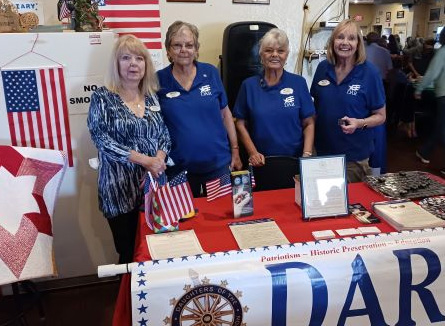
(194,106)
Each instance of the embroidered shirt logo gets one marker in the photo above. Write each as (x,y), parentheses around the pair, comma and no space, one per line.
(289,101)
(353,89)
(205,90)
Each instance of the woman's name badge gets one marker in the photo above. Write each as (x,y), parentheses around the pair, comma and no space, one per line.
(173,94)
(287,91)
(324,82)
(155,108)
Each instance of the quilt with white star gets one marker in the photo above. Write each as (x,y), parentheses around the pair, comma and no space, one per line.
(29,182)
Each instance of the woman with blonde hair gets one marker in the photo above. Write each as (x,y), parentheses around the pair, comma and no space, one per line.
(127,128)
(349,100)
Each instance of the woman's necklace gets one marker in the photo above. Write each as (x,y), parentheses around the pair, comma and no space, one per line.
(137,106)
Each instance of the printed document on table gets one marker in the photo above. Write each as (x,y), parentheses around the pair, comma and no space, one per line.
(173,244)
(257,233)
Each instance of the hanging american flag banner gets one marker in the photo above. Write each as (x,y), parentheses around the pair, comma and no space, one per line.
(64,12)
(138,17)
(167,203)
(37,109)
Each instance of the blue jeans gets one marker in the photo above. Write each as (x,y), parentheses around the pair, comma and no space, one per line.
(438,134)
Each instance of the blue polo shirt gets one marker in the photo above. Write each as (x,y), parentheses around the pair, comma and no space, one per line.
(360,93)
(274,114)
(199,139)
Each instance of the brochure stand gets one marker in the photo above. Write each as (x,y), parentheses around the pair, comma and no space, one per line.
(323,187)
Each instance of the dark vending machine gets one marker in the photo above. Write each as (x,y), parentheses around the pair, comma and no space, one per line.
(240,58)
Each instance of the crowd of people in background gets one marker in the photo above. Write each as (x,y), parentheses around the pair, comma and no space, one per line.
(178,118)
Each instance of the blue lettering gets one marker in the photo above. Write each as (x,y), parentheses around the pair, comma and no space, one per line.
(372,308)
(279,292)
(406,286)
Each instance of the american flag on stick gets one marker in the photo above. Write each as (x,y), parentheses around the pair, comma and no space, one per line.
(37,109)
(138,17)
(168,203)
(222,186)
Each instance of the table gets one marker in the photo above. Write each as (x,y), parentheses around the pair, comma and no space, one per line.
(211,227)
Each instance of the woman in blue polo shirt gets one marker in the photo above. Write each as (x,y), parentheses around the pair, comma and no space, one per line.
(349,99)
(194,106)
(274,111)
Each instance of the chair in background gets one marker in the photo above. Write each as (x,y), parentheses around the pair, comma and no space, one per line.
(277,173)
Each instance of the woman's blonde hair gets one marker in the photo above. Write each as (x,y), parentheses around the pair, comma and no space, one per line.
(274,36)
(177,27)
(130,43)
(360,54)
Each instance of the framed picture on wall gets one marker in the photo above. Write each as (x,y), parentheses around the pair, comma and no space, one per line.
(434,14)
(388,16)
(377,20)
(400,14)
(262,2)
(186,0)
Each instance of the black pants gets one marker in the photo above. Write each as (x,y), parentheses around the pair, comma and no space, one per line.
(123,227)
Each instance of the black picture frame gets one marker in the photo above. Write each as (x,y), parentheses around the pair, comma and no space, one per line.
(388,16)
(400,14)
(434,14)
(258,2)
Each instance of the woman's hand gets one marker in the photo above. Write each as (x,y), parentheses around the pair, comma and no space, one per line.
(235,164)
(257,159)
(350,125)
(155,165)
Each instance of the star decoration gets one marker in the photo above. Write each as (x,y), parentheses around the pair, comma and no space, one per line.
(187,287)
(169,260)
(142,295)
(173,301)
(245,308)
(141,263)
(238,294)
(142,309)
(143,322)
(141,282)
(224,283)
(167,320)
(184,258)
(205,281)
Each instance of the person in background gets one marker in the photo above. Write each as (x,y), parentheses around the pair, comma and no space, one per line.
(194,106)
(393,46)
(377,55)
(349,101)
(127,128)
(418,62)
(274,111)
(435,74)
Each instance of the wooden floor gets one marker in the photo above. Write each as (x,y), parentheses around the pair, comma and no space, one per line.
(93,304)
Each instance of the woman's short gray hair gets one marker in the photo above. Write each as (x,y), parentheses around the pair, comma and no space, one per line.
(174,29)
(274,36)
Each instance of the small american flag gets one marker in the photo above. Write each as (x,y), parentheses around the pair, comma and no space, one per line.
(219,187)
(64,12)
(138,17)
(37,109)
(170,202)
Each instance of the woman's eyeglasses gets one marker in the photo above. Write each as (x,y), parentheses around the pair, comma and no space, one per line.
(179,46)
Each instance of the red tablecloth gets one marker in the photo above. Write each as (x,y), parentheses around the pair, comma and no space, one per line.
(211,227)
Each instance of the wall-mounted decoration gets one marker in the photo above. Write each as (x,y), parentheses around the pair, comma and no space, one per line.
(434,14)
(401,14)
(262,2)
(377,20)
(186,0)
(388,16)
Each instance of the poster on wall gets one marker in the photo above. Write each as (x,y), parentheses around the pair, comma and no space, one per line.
(34,6)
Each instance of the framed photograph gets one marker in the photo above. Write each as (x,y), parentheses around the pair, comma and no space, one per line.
(388,16)
(323,186)
(262,2)
(377,20)
(434,14)
(401,14)
(186,0)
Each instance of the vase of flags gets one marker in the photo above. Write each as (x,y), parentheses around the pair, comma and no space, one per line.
(82,15)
